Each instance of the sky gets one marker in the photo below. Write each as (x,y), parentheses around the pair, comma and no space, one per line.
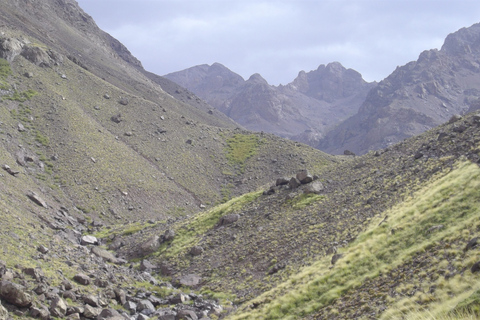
(279,38)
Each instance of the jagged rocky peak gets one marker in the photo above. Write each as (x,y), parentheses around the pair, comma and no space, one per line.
(257,79)
(464,41)
(329,82)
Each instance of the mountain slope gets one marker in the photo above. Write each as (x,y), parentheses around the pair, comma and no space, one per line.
(314,101)
(415,97)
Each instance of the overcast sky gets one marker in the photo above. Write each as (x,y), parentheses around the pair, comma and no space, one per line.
(279,38)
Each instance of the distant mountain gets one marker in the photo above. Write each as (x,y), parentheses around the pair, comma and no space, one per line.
(415,97)
(313,102)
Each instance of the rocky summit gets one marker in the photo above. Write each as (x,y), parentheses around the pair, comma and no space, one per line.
(125,196)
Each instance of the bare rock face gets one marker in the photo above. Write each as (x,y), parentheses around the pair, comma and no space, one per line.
(416,97)
(10,48)
(15,294)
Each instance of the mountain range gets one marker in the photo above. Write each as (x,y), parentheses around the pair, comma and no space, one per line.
(123,195)
(313,102)
(334,109)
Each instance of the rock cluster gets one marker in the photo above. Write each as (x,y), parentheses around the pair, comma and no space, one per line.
(303,178)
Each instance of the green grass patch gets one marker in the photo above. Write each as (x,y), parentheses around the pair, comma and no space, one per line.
(22,96)
(240,147)
(40,138)
(190,232)
(451,201)
(305,199)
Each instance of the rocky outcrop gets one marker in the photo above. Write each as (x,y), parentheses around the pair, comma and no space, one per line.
(15,294)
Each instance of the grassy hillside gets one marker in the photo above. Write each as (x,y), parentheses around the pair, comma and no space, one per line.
(411,257)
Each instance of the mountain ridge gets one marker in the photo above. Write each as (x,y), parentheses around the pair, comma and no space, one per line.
(316,100)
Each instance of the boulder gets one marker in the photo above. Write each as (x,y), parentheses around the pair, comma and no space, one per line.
(91,312)
(89,240)
(39,313)
(58,307)
(315,187)
(10,48)
(145,305)
(91,300)
(15,294)
(168,235)
(121,296)
(229,219)
(130,306)
(36,55)
(109,314)
(186,315)
(4,313)
(35,273)
(471,244)
(36,198)
(102,253)
(293,183)
(82,279)
(281,181)
(146,265)
(304,177)
(336,257)
(190,280)
(196,251)
(149,246)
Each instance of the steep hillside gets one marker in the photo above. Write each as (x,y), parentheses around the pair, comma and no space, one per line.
(314,101)
(415,97)
(278,239)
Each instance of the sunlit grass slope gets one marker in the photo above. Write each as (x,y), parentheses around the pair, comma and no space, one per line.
(444,213)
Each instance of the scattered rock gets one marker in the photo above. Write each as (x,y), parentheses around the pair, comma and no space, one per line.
(109,314)
(15,294)
(82,279)
(40,313)
(21,128)
(91,312)
(196,251)
(186,315)
(146,265)
(91,300)
(102,253)
(475,267)
(418,155)
(123,101)
(36,198)
(471,244)
(316,187)
(42,249)
(149,246)
(228,219)
(58,308)
(348,153)
(10,170)
(35,273)
(281,181)
(304,177)
(294,183)
(89,240)
(336,257)
(3,313)
(168,235)
(116,118)
(190,280)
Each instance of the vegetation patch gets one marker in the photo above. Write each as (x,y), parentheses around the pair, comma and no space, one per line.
(190,232)
(305,199)
(240,147)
